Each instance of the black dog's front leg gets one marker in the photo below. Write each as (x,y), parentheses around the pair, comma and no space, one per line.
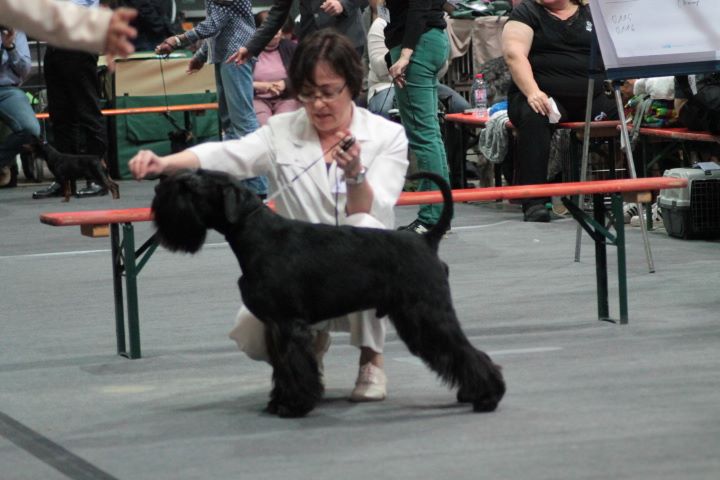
(296,377)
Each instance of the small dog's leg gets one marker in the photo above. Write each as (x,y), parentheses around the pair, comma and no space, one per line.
(101,177)
(67,190)
(296,377)
(433,333)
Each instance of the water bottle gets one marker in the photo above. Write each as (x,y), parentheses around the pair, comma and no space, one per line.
(479,96)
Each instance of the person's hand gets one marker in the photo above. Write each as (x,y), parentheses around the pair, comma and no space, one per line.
(539,102)
(146,164)
(167,46)
(397,71)
(239,57)
(8,37)
(117,42)
(278,87)
(332,7)
(194,65)
(347,160)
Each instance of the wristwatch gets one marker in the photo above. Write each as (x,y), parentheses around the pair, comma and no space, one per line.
(360,178)
(9,48)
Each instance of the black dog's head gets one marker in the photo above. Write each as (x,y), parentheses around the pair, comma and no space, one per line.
(38,147)
(187,203)
(180,140)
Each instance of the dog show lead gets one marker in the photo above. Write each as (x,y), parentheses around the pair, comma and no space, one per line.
(359,186)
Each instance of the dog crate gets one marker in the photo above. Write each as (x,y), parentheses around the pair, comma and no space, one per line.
(694,211)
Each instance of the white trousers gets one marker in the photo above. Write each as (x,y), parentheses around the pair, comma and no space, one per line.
(366,330)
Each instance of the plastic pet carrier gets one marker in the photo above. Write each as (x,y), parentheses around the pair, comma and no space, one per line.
(693,211)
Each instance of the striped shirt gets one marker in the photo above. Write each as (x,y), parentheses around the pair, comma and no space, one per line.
(227,27)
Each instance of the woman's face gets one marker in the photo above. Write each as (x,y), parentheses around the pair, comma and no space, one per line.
(328,102)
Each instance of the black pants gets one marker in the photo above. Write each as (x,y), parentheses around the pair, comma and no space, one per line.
(73,89)
(534,133)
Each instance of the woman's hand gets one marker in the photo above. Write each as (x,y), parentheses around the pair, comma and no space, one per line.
(397,70)
(169,45)
(146,164)
(347,160)
(332,7)
(239,57)
(539,102)
(194,65)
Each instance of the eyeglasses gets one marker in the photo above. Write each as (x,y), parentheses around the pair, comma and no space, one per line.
(325,96)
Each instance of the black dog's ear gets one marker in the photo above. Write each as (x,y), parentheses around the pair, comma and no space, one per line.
(180,226)
(230,198)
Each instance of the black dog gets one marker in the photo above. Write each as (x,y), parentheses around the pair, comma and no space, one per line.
(296,273)
(69,167)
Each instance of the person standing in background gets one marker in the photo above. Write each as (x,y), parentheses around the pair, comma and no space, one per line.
(227,27)
(73,89)
(419,48)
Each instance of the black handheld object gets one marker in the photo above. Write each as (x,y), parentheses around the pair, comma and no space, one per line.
(347,142)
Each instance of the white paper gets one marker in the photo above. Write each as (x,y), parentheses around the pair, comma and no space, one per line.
(554,114)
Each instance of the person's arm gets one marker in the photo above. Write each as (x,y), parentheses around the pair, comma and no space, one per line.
(377,49)
(214,22)
(147,164)
(414,27)
(66,25)
(16,46)
(517,38)
(279,12)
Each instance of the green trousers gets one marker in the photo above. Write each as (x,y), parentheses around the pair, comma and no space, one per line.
(418,105)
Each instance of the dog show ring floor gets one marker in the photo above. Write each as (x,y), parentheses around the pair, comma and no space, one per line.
(585,399)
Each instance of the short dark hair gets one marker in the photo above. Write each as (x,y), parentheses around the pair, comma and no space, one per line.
(331,47)
(260,17)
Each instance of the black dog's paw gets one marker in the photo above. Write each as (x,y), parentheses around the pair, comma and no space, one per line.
(288,410)
(487,398)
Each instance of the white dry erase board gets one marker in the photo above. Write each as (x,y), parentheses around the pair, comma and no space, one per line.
(655,33)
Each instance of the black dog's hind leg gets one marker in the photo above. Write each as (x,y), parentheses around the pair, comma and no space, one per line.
(433,333)
(102,178)
(296,377)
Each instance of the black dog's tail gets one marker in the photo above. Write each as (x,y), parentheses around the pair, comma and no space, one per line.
(435,234)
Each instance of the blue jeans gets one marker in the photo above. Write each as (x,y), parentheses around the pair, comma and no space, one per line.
(16,113)
(237,114)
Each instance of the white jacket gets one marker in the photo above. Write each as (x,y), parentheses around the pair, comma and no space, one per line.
(62,24)
(288,144)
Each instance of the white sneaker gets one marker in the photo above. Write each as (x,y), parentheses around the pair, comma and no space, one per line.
(629,210)
(657,218)
(371,384)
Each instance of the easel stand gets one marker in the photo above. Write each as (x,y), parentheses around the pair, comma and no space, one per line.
(627,148)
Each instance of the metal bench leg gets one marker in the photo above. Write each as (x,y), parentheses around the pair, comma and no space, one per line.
(601,261)
(617,209)
(131,272)
(117,269)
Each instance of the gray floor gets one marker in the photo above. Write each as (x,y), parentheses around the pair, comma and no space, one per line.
(586,399)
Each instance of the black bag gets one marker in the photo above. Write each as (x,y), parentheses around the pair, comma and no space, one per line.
(702,110)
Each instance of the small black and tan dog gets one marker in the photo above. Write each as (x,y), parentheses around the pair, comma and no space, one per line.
(70,167)
(296,273)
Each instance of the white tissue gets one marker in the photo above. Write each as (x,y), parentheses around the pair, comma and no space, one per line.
(554,114)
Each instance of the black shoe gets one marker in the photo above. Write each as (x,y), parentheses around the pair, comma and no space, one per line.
(92,190)
(418,226)
(537,213)
(53,190)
